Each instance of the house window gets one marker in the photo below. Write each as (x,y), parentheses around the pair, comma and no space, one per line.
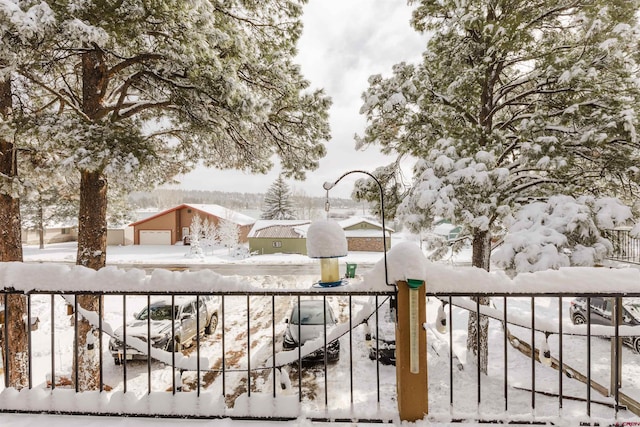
(64,231)
(277,244)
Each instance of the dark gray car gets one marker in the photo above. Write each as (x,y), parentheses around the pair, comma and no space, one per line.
(601,314)
(308,322)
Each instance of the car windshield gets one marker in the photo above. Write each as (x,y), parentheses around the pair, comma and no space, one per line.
(311,315)
(158,312)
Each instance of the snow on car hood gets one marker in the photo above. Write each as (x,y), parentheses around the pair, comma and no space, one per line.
(138,328)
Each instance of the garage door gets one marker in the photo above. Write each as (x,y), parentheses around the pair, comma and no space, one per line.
(155,237)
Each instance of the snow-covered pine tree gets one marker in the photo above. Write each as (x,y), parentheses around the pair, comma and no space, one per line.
(277,201)
(229,234)
(512,101)
(25,30)
(150,89)
(196,230)
(210,233)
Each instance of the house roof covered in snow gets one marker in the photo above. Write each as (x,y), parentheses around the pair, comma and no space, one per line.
(354,220)
(284,229)
(210,209)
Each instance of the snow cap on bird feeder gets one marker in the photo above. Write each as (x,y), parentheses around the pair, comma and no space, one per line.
(326,240)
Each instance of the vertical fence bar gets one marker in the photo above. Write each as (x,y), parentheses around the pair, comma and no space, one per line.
(248,348)
(149,343)
(273,342)
(6,340)
(377,349)
(124,343)
(560,355)
(324,358)
(588,356)
(478,348)
(53,341)
(350,353)
(450,353)
(533,354)
(223,349)
(100,357)
(29,342)
(198,310)
(174,344)
(299,352)
(505,355)
(75,339)
(616,355)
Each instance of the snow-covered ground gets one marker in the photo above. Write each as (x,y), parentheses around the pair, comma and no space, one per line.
(492,404)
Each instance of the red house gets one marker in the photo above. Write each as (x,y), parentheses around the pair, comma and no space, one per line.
(172,225)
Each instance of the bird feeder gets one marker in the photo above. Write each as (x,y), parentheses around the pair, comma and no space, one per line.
(326,241)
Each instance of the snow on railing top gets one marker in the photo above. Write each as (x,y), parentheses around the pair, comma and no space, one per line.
(404,261)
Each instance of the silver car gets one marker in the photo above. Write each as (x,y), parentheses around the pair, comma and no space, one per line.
(159,317)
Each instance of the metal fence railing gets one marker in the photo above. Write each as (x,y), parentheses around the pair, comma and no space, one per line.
(555,354)
(549,355)
(238,357)
(625,247)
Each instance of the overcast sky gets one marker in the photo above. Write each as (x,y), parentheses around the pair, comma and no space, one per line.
(343,43)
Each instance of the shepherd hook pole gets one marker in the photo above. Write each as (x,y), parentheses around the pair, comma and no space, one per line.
(328,186)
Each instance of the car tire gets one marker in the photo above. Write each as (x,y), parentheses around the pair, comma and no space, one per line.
(578,319)
(175,346)
(636,345)
(212,325)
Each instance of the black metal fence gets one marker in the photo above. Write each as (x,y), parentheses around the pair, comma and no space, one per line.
(240,361)
(625,247)
(544,362)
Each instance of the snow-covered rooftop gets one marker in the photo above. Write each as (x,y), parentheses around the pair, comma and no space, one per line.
(225,213)
(279,228)
(349,222)
(210,209)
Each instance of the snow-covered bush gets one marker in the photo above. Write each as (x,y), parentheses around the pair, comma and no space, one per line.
(560,232)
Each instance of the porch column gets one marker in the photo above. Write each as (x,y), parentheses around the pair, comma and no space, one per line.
(413,394)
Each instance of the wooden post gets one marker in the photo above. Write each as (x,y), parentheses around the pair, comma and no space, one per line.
(413,393)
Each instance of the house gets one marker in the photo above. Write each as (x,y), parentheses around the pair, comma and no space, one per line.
(364,235)
(119,235)
(289,236)
(278,236)
(172,225)
(53,233)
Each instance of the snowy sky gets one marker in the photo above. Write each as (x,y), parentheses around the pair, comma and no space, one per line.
(343,43)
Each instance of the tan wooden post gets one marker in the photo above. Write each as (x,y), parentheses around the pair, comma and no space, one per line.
(413,393)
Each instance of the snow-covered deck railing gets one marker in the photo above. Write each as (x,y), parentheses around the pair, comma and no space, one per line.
(626,248)
(542,367)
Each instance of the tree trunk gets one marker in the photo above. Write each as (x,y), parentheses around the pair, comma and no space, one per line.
(15,331)
(40,223)
(92,224)
(479,338)
(92,244)
(92,221)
